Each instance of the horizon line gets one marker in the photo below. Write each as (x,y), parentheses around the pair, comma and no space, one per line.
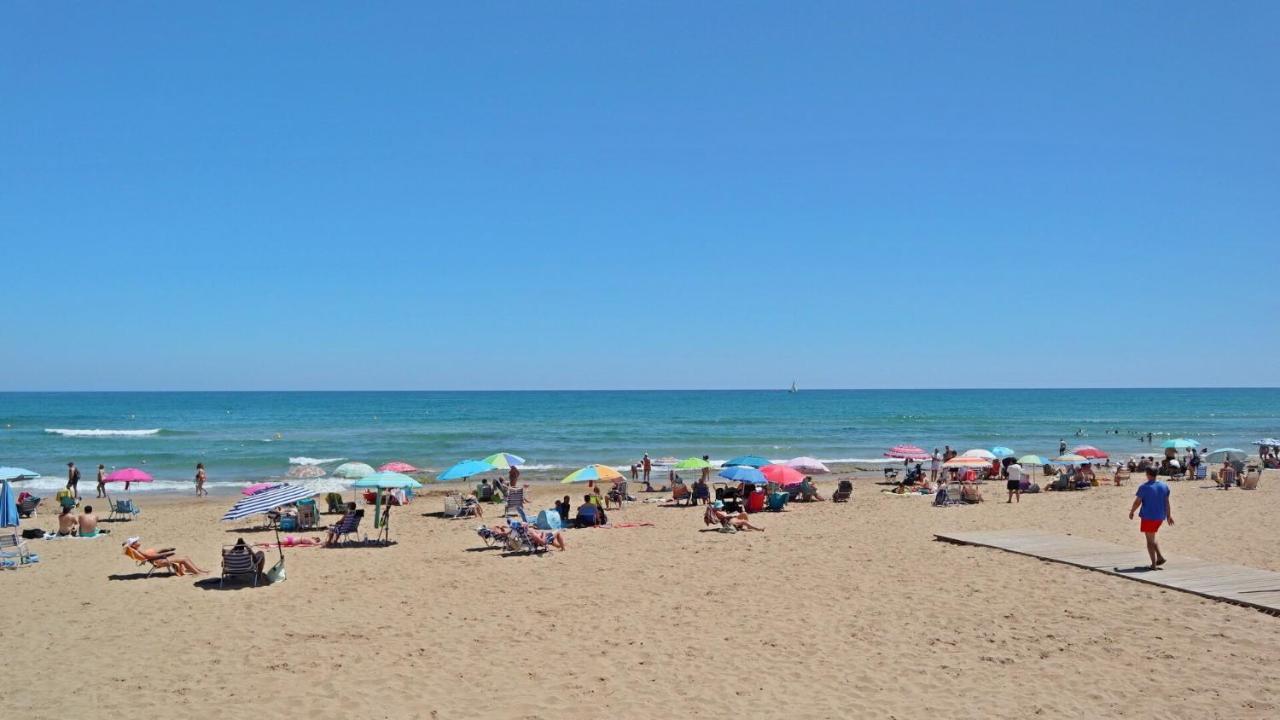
(638,390)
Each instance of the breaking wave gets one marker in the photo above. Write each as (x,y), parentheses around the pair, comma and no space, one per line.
(97,432)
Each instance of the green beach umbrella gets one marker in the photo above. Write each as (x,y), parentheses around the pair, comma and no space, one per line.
(353,470)
(693,463)
(1032,460)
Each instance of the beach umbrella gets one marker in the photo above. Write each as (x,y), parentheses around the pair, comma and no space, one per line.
(398,467)
(782,474)
(593,472)
(1026,460)
(8,506)
(693,463)
(126,476)
(808,465)
(504,460)
(353,470)
(744,473)
(465,469)
(907,452)
(966,461)
(385,481)
(748,460)
(1001,451)
(17,473)
(1180,444)
(305,471)
(256,488)
(1072,459)
(1227,454)
(1090,452)
(266,501)
(979,453)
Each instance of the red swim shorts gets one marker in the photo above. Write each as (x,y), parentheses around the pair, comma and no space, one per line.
(1150,526)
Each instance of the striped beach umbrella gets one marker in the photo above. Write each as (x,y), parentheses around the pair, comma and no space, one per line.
(504,460)
(267,500)
(907,452)
(979,453)
(808,465)
(966,461)
(593,472)
(754,461)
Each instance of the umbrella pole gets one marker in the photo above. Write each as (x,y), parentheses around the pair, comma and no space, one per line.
(377,507)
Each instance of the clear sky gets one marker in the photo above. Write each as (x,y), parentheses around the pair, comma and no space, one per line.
(656,195)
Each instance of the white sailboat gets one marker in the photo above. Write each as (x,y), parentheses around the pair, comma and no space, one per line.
(793,387)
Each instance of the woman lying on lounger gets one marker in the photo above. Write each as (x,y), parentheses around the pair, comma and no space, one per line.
(716,515)
(164,558)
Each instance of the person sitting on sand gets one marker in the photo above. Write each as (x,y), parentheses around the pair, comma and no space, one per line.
(614,496)
(563,508)
(1227,475)
(588,512)
(809,491)
(715,515)
(242,548)
(970,492)
(89,523)
(349,517)
(67,522)
(701,492)
(164,558)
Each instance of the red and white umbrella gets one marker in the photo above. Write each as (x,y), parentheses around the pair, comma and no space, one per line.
(1090,452)
(966,461)
(907,452)
(398,467)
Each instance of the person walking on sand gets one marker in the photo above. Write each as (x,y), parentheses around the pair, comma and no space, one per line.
(1152,505)
(102,485)
(647,465)
(934,462)
(1013,481)
(200,478)
(73,480)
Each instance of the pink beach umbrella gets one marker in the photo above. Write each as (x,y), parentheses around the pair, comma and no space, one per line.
(1090,452)
(907,452)
(809,465)
(256,488)
(127,476)
(782,474)
(399,467)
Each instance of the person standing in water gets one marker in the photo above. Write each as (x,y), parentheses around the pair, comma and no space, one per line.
(73,480)
(1152,505)
(200,478)
(102,485)
(647,465)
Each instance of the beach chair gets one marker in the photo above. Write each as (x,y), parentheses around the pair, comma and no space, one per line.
(308,514)
(843,492)
(156,563)
(27,508)
(20,549)
(335,505)
(484,492)
(619,494)
(67,501)
(1202,472)
(891,473)
(492,539)
(520,533)
(515,502)
(238,564)
(452,505)
(731,500)
(348,527)
(122,509)
(1250,480)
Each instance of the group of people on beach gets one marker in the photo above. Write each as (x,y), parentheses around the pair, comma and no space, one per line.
(73,480)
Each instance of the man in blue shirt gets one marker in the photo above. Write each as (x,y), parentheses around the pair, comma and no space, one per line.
(1152,505)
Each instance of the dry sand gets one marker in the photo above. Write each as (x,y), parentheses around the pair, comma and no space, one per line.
(836,611)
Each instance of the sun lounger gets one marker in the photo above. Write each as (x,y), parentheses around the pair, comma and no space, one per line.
(238,563)
(28,507)
(160,561)
(843,492)
(122,509)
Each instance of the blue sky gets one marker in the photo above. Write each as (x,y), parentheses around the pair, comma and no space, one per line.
(666,195)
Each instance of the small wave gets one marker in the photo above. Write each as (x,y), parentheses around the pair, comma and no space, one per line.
(314,461)
(97,432)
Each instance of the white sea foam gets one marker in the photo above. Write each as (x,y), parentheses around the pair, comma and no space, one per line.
(97,432)
(313,461)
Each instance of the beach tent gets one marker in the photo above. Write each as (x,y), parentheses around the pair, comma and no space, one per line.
(1227,454)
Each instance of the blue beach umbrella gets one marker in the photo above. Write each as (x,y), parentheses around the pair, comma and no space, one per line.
(8,506)
(749,460)
(1180,444)
(1227,454)
(744,473)
(1001,451)
(465,469)
(504,460)
(17,473)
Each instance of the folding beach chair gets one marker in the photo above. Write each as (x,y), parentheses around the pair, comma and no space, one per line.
(122,509)
(11,540)
(843,492)
(238,564)
(27,508)
(348,527)
(156,563)
(515,502)
(452,505)
(520,533)
(334,504)
(308,514)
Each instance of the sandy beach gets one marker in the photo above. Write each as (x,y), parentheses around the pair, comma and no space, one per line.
(834,611)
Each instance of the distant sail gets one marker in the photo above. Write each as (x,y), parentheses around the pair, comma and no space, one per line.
(793,386)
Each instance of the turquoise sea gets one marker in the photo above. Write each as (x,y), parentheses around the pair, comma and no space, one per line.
(249,436)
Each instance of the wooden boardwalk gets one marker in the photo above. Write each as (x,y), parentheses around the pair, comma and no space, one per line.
(1230,583)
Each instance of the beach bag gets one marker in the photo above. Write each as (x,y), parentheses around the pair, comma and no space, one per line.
(276,573)
(32,533)
(549,520)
